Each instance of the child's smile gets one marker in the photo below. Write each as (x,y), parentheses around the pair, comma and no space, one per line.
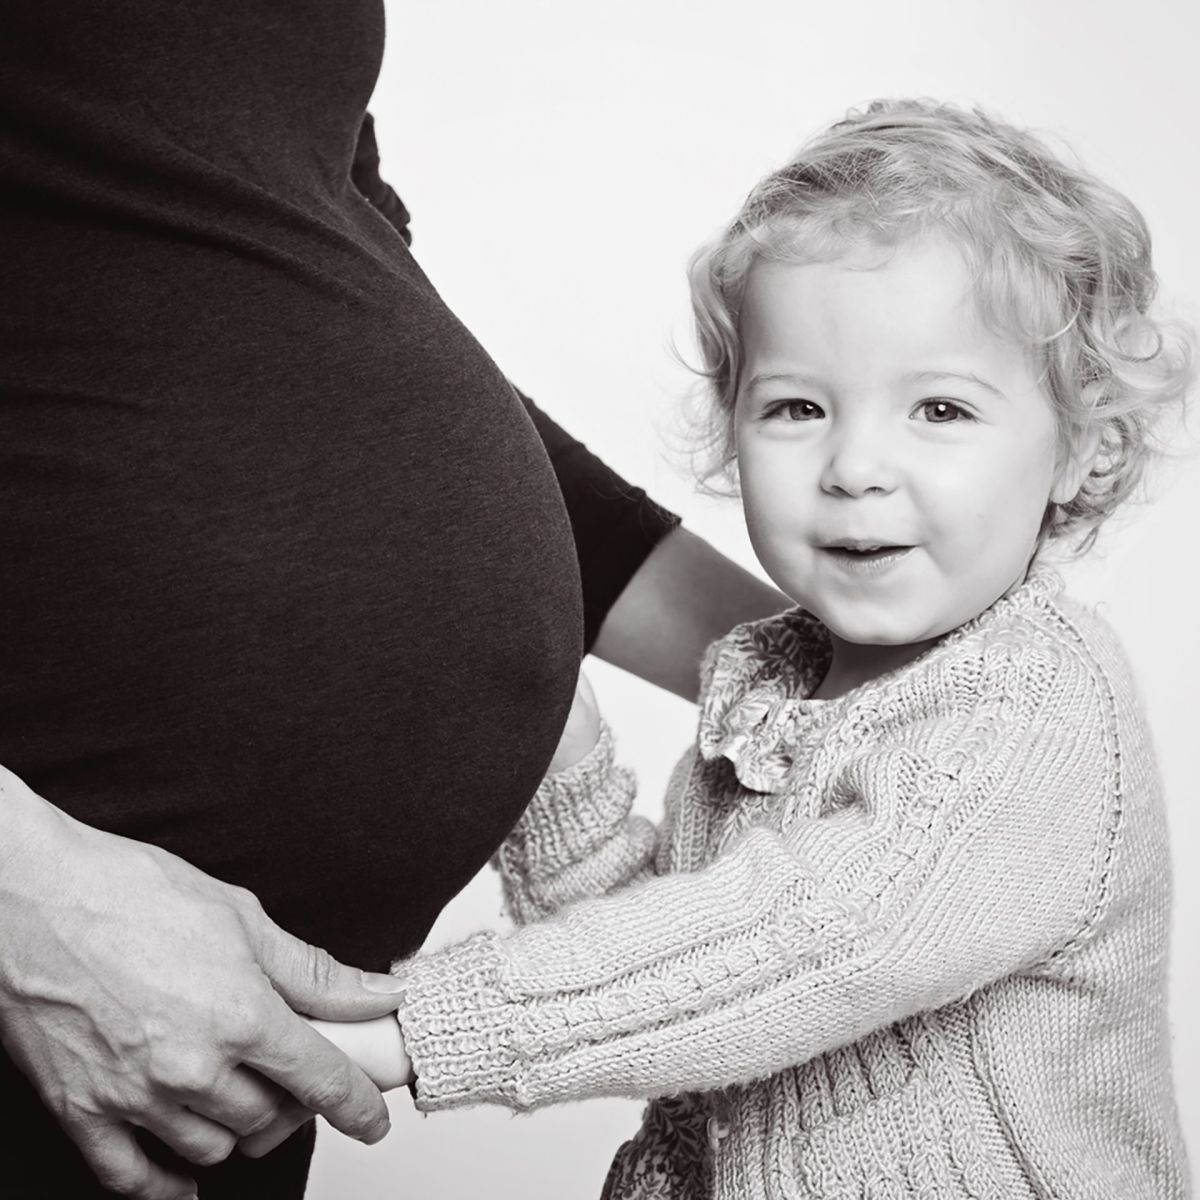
(896,456)
(865,558)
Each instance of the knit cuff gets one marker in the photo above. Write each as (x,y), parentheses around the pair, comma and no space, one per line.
(573,813)
(458,1027)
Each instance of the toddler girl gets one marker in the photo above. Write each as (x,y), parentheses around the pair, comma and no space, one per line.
(903,931)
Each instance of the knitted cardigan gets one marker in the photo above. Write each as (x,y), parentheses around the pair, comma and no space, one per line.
(908,942)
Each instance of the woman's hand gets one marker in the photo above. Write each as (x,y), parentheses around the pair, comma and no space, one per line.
(582,730)
(137,992)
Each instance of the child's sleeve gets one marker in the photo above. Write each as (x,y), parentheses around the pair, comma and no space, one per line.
(577,838)
(983,853)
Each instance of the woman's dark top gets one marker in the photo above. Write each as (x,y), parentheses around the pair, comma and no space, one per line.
(286,578)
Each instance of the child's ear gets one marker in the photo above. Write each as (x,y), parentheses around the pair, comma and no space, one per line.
(1076,460)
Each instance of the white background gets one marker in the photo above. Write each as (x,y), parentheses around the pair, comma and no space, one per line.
(561,161)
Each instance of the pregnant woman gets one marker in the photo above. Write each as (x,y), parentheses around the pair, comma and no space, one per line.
(283,560)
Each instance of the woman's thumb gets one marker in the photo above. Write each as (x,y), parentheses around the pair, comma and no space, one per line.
(314,983)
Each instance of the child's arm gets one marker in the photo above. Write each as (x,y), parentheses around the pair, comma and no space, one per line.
(575,839)
(945,869)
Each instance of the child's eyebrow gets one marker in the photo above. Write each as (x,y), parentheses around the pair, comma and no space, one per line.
(797,377)
(965,376)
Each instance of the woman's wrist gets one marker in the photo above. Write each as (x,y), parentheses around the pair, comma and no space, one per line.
(32,833)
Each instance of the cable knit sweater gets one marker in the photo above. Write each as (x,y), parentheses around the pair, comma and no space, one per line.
(909,942)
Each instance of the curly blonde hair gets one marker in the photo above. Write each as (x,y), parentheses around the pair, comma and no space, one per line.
(1060,260)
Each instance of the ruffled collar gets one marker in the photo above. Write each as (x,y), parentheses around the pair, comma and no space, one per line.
(758,681)
(753,677)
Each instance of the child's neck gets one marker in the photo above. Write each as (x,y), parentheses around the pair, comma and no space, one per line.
(853,664)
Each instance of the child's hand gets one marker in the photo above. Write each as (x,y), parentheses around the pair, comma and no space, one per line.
(582,730)
(376,1046)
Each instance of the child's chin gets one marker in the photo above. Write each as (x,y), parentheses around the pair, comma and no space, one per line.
(880,633)
(880,640)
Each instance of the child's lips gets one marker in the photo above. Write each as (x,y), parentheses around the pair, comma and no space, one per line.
(865,558)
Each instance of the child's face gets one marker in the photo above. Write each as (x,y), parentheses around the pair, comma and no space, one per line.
(896,457)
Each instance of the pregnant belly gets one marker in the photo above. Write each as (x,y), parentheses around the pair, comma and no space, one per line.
(311,622)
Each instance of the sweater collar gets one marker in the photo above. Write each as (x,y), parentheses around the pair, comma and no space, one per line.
(758,680)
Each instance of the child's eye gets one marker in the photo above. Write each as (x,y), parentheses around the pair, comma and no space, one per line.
(942,412)
(796,410)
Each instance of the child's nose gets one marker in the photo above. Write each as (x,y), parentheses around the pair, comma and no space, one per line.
(860,463)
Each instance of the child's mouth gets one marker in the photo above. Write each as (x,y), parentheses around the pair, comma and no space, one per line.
(865,558)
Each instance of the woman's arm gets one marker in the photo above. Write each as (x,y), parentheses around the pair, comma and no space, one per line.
(654,594)
(684,596)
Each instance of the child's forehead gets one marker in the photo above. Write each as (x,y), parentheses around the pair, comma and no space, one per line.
(931,272)
(871,320)
(912,285)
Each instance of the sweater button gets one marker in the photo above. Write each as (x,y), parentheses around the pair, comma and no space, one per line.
(716,1131)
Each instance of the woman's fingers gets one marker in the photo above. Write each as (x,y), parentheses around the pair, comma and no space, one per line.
(122,1166)
(319,1076)
(245,1103)
(192,1136)
(132,984)
(289,1118)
